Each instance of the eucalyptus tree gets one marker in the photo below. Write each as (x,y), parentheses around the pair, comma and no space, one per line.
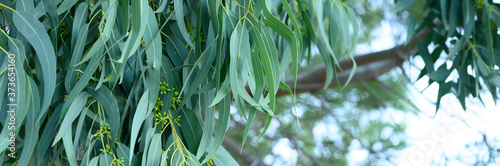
(136,82)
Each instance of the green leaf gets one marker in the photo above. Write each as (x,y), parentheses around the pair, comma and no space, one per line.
(103,73)
(155,150)
(444,88)
(176,50)
(40,10)
(266,126)
(259,86)
(145,143)
(53,20)
(138,118)
(323,41)
(355,27)
(191,129)
(461,94)
(424,53)
(285,32)
(444,5)
(181,156)
(48,133)
(65,6)
(68,146)
(495,14)
(79,128)
(105,159)
(328,59)
(78,23)
(87,147)
(221,94)
(307,20)
(221,24)
(411,30)
(21,87)
(205,60)
(139,16)
(222,157)
(110,105)
(73,112)
(152,41)
(339,30)
(489,36)
(34,32)
(32,131)
(468,14)
(4,135)
(125,19)
(271,65)
(94,161)
(207,87)
(71,73)
(453,21)
(123,151)
(163,3)
(108,23)
(25,6)
(251,117)
(353,41)
(294,22)
(208,130)
(468,11)
(3,42)
(222,126)
(84,79)
(353,71)
(239,50)
(285,86)
(179,15)
(164,159)
(440,74)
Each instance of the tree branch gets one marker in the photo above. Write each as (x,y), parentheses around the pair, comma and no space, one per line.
(369,66)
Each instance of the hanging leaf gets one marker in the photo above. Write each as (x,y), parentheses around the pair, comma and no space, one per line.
(34,32)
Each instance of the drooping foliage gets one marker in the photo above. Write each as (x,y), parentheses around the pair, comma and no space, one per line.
(464,41)
(136,82)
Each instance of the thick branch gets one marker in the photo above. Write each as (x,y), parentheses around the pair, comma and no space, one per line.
(369,66)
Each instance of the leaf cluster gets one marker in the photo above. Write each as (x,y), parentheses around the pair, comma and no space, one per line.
(148,82)
(463,58)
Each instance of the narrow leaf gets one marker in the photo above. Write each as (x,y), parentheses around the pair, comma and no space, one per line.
(34,32)
(155,150)
(138,119)
(73,112)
